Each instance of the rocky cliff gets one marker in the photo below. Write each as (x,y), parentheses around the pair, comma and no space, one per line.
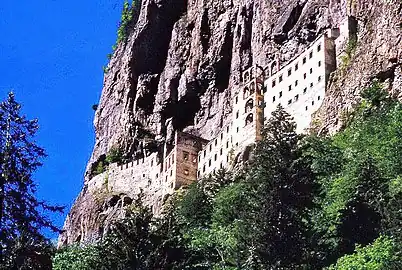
(182,62)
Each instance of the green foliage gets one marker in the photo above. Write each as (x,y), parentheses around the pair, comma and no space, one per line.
(302,203)
(382,254)
(79,257)
(350,50)
(100,168)
(114,155)
(22,215)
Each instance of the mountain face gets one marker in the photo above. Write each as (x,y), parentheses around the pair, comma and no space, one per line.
(182,64)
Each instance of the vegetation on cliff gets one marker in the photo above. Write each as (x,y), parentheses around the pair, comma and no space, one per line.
(304,202)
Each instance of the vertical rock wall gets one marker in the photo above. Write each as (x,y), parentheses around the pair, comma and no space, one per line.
(182,64)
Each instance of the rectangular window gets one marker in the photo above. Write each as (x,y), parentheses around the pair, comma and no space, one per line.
(227,144)
(237,114)
(199,159)
(297,66)
(305,76)
(311,85)
(221,152)
(203,168)
(205,153)
(319,63)
(209,163)
(290,87)
(221,136)
(304,60)
(319,98)
(237,130)
(306,108)
(289,101)
(305,90)
(319,48)
(210,147)
(215,157)
(281,78)
(296,82)
(280,94)
(273,83)
(311,70)
(216,142)
(273,99)
(289,72)
(311,55)
(296,98)
(312,103)
(227,129)
(237,100)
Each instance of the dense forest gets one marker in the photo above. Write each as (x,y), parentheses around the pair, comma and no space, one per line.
(301,202)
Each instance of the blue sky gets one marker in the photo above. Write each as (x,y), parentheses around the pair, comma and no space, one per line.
(51,56)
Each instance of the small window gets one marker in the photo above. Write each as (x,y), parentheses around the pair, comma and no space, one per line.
(198,174)
(319,78)
(216,142)
(215,157)
(289,72)
(319,98)
(171,172)
(227,158)
(310,55)
(304,60)
(237,100)
(319,63)
(221,166)
(311,71)
(281,78)
(227,144)
(227,129)
(296,82)
(221,152)
(305,76)
(186,172)
(289,101)
(297,66)
(280,94)
(290,87)
(296,98)
(185,155)
(203,168)
(221,136)
(199,159)
(311,85)
(319,48)
(305,90)
(237,114)
(306,108)
(205,153)
(209,163)
(273,99)
(237,130)
(312,103)
(273,83)
(210,147)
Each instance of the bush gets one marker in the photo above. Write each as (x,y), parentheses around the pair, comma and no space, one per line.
(114,155)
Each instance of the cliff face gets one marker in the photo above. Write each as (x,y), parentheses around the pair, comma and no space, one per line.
(182,63)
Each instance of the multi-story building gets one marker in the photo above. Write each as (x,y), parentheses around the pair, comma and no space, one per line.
(299,86)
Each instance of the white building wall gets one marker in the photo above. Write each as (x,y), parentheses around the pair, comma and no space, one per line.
(299,86)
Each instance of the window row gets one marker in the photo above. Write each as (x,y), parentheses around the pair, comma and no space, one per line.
(290,88)
(273,83)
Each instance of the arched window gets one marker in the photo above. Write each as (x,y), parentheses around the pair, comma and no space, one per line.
(252,88)
(246,92)
(246,76)
(249,119)
(249,105)
(274,68)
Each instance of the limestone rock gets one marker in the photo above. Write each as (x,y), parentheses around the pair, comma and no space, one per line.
(182,63)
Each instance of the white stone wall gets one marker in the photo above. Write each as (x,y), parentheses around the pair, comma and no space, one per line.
(300,85)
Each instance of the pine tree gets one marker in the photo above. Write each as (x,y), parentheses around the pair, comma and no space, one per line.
(284,187)
(21,214)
